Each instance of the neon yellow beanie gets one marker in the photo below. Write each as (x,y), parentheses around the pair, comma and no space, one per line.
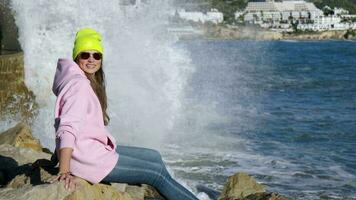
(87,39)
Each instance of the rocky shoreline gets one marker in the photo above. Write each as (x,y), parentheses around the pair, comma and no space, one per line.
(255,33)
(20,180)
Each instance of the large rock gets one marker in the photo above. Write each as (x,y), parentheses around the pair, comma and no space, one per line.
(24,182)
(98,191)
(2,178)
(11,156)
(20,136)
(56,191)
(239,186)
(19,180)
(266,196)
(15,161)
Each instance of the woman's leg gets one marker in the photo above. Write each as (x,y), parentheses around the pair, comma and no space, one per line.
(135,170)
(140,153)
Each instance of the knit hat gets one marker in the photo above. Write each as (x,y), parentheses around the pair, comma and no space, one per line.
(87,39)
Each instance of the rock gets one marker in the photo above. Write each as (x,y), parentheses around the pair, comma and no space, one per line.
(34,180)
(2,178)
(56,191)
(24,182)
(29,176)
(20,136)
(98,191)
(136,192)
(19,149)
(266,196)
(151,192)
(239,186)
(45,191)
(141,192)
(16,161)
(241,32)
(11,156)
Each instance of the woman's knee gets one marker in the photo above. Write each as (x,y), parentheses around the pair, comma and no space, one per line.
(153,154)
(140,152)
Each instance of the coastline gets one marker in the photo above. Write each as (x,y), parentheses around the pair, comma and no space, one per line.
(222,32)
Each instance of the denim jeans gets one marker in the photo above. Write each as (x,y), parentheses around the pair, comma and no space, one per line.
(138,165)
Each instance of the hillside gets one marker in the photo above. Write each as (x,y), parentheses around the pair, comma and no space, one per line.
(349,5)
(228,7)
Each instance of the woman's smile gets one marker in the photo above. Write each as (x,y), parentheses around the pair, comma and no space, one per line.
(88,63)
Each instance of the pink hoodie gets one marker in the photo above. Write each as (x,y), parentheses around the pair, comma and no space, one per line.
(79,124)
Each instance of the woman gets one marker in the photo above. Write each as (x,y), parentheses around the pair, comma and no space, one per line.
(83,145)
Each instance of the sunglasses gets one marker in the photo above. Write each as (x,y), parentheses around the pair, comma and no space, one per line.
(86,55)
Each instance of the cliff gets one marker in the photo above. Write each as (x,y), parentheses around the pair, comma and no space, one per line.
(242,32)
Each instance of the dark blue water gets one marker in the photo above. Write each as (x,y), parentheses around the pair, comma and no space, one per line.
(294,105)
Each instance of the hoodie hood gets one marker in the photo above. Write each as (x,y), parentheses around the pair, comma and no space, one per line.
(67,70)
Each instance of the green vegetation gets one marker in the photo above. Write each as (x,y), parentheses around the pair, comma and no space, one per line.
(349,5)
(350,34)
(228,7)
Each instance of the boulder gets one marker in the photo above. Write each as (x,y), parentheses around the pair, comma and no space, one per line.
(11,156)
(25,182)
(56,191)
(2,178)
(266,196)
(19,180)
(20,136)
(15,161)
(240,185)
(98,191)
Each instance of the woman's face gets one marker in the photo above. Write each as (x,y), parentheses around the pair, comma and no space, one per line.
(89,61)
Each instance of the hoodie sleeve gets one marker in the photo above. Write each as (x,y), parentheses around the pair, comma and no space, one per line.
(73,113)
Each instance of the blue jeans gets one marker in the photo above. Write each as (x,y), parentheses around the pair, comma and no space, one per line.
(141,165)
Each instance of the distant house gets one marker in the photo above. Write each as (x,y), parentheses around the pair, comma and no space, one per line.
(213,16)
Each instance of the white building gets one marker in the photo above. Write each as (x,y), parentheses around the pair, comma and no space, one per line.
(280,16)
(323,23)
(271,11)
(327,23)
(213,16)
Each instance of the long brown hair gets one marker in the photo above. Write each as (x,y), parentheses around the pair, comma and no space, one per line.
(97,82)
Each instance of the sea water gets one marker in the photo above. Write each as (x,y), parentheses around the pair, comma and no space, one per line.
(281,111)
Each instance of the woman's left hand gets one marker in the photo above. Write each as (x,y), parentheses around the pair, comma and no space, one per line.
(70,181)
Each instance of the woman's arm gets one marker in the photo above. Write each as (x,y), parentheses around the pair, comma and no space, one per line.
(72,118)
(65,155)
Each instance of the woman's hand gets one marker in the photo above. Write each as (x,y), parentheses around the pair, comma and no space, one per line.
(70,181)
